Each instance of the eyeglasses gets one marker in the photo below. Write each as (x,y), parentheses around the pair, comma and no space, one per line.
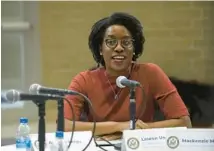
(125,43)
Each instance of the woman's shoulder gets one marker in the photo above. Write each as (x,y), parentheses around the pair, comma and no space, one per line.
(84,79)
(89,73)
(146,67)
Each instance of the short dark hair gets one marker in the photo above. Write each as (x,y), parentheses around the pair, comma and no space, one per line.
(119,18)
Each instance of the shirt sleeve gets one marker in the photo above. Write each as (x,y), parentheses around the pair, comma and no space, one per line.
(77,84)
(166,94)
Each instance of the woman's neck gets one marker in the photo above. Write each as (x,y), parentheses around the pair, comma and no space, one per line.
(113,73)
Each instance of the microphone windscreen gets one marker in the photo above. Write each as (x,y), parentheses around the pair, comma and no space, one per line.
(118,81)
(12,96)
(34,89)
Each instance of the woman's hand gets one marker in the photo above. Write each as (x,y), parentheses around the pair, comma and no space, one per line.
(122,126)
(110,137)
(139,125)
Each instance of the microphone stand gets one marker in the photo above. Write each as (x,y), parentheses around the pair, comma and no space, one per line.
(132,108)
(41,136)
(132,112)
(60,123)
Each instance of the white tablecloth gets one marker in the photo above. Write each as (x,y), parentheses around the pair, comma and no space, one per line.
(109,148)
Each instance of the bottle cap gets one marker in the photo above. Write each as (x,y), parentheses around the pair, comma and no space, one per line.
(23,120)
(59,134)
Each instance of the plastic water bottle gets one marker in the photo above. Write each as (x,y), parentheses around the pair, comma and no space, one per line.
(23,142)
(60,146)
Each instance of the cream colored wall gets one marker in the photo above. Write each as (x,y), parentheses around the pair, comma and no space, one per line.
(178,37)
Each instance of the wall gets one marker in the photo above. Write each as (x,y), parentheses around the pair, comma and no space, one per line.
(178,37)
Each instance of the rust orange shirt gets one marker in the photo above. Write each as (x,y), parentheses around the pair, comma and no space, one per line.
(97,86)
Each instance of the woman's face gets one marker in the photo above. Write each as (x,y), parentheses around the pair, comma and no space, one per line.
(117,49)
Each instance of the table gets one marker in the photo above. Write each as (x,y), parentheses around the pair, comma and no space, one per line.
(13,148)
(109,148)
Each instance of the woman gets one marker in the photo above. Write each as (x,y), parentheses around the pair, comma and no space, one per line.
(116,42)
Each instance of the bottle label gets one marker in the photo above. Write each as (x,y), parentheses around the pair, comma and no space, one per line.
(23,143)
(28,143)
(20,143)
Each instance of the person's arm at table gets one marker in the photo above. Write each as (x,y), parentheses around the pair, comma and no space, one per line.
(168,99)
(102,128)
(183,121)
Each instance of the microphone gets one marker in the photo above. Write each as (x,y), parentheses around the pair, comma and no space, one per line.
(38,89)
(13,96)
(40,100)
(122,82)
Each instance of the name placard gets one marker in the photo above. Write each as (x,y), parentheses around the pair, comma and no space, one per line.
(190,139)
(168,139)
(146,139)
(80,140)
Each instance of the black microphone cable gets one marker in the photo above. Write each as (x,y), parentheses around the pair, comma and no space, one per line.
(100,146)
(116,146)
(94,121)
(73,122)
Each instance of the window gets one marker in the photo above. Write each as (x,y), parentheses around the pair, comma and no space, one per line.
(20,56)
(12,49)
